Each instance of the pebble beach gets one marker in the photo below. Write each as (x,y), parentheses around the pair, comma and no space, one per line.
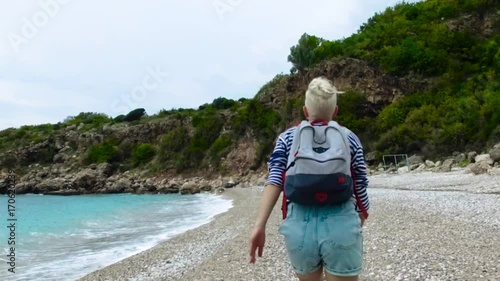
(422,226)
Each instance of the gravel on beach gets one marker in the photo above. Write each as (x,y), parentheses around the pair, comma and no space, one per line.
(426,226)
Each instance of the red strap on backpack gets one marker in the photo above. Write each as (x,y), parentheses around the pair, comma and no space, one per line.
(323,122)
(284,204)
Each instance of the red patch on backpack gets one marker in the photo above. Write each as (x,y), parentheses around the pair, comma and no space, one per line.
(341,180)
(321,196)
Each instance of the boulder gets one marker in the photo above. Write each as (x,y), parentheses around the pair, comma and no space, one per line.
(104,169)
(494,171)
(403,170)
(50,185)
(231,183)
(429,163)
(471,156)
(58,158)
(479,168)
(484,158)
(495,153)
(421,168)
(119,186)
(460,158)
(141,190)
(205,186)
(150,185)
(415,166)
(446,167)
(438,164)
(415,159)
(42,174)
(391,170)
(190,188)
(371,157)
(169,187)
(88,179)
(24,187)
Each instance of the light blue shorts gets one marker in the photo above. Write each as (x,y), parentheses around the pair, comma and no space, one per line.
(330,237)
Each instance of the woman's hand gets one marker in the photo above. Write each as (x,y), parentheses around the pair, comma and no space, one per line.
(362,217)
(257,241)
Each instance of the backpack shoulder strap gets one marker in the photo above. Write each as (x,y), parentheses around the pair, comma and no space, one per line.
(291,156)
(358,200)
(343,132)
(297,136)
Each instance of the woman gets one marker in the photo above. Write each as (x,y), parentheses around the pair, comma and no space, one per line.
(318,239)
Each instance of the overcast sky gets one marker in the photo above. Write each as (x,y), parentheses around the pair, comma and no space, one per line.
(62,57)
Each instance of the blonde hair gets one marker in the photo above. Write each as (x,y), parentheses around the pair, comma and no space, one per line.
(321,98)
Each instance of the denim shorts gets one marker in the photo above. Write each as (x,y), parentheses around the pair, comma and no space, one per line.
(330,237)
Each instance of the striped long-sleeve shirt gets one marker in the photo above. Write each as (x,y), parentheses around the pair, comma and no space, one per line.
(279,158)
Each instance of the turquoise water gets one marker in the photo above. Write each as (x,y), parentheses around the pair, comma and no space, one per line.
(67,237)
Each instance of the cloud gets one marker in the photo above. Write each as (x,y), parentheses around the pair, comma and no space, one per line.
(90,55)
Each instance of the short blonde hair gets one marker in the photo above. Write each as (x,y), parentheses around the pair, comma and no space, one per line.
(321,98)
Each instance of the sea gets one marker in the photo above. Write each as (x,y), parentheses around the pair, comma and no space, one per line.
(67,237)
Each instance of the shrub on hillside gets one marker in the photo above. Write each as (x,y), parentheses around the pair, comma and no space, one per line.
(207,129)
(219,147)
(173,143)
(119,118)
(105,152)
(143,154)
(88,118)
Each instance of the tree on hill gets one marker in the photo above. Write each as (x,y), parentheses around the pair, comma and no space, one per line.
(135,114)
(302,54)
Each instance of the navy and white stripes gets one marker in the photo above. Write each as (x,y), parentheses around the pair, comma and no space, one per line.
(279,158)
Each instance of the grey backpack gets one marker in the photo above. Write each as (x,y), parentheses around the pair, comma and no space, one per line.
(319,165)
